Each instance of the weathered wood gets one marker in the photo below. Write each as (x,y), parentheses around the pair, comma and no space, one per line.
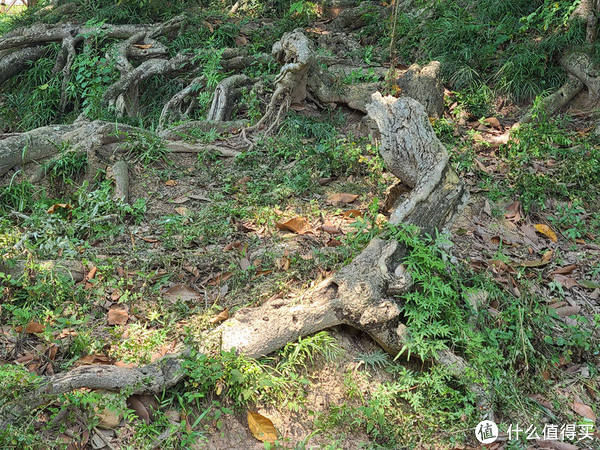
(121,175)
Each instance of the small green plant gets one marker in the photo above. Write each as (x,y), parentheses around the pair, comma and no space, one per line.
(145,148)
(68,167)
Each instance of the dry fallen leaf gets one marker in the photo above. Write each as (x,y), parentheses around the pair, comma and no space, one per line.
(143,46)
(342,198)
(261,427)
(181,292)
(513,211)
(564,270)
(546,231)
(352,213)
(171,183)
(58,206)
(297,225)
(330,228)
(117,315)
(181,210)
(566,282)
(91,274)
(584,410)
(141,411)
(221,317)
(34,327)
(93,359)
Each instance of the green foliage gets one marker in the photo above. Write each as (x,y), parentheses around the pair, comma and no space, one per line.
(575,168)
(514,46)
(145,148)
(68,167)
(31,99)
(91,74)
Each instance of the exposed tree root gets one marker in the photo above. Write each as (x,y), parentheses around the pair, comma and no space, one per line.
(294,50)
(123,94)
(15,62)
(120,173)
(173,109)
(94,138)
(366,294)
(226,93)
(67,268)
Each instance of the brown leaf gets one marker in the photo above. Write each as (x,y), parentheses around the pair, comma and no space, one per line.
(341,198)
(221,317)
(92,273)
(125,364)
(352,213)
(297,225)
(148,239)
(565,270)
(565,311)
(58,206)
(513,211)
(566,282)
(209,26)
(182,211)
(546,231)
(584,410)
(140,410)
(34,327)
(181,292)
(538,262)
(117,315)
(330,228)
(143,46)
(261,427)
(221,278)
(171,183)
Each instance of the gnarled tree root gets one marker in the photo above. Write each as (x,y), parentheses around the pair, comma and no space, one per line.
(366,294)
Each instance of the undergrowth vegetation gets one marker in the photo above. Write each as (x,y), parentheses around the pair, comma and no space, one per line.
(213,225)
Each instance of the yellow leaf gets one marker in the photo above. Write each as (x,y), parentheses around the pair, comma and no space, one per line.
(546,231)
(261,427)
(58,206)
